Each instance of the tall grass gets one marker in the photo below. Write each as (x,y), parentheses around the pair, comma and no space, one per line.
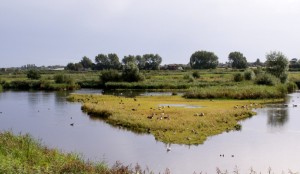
(236,92)
(22,154)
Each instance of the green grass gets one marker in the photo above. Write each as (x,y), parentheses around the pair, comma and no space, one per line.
(22,154)
(169,124)
(237,92)
(154,80)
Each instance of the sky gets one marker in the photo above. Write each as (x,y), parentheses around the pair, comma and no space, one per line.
(57,32)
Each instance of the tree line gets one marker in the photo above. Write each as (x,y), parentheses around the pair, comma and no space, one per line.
(198,60)
(112,61)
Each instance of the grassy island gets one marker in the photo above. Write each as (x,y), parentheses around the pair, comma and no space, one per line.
(170,119)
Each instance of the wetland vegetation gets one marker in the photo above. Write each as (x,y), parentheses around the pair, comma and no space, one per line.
(171,119)
(214,100)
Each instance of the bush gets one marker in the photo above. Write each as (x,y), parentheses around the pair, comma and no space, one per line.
(249,74)
(61,78)
(238,77)
(131,73)
(196,74)
(189,78)
(33,74)
(283,77)
(258,71)
(266,79)
(291,87)
(110,76)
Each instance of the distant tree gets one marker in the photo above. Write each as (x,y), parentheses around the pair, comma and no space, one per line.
(114,61)
(70,66)
(33,74)
(258,62)
(78,67)
(86,62)
(140,62)
(110,61)
(152,61)
(277,64)
(101,62)
(237,60)
(129,58)
(294,63)
(204,60)
(131,73)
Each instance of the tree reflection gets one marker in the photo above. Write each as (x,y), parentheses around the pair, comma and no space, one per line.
(277,117)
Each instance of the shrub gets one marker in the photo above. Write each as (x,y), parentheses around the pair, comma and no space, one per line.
(258,71)
(249,74)
(131,73)
(33,74)
(238,77)
(196,74)
(283,77)
(61,78)
(110,76)
(266,79)
(189,78)
(291,87)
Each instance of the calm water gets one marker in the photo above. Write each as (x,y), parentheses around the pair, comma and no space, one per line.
(269,139)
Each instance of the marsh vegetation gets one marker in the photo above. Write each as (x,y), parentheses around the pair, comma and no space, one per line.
(171,119)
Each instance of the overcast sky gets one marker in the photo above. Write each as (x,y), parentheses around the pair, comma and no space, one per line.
(51,32)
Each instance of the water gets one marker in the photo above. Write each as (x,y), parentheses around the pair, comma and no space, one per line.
(269,139)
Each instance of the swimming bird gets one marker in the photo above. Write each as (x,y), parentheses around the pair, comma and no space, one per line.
(72,124)
(168,149)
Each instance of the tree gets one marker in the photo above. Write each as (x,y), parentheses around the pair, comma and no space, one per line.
(110,61)
(114,62)
(140,61)
(129,58)
(33,74)
(204,60)
(152,61)
(70,66)
(258,62)
(86,62)
(237,60)
(131,73)
(277,64)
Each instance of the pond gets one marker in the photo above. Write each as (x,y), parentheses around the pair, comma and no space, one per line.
(269,139)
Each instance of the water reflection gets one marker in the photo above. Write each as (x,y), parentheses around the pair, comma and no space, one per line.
(277,117)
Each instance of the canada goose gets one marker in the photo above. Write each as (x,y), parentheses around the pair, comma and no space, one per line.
(151,116)
(167,117)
